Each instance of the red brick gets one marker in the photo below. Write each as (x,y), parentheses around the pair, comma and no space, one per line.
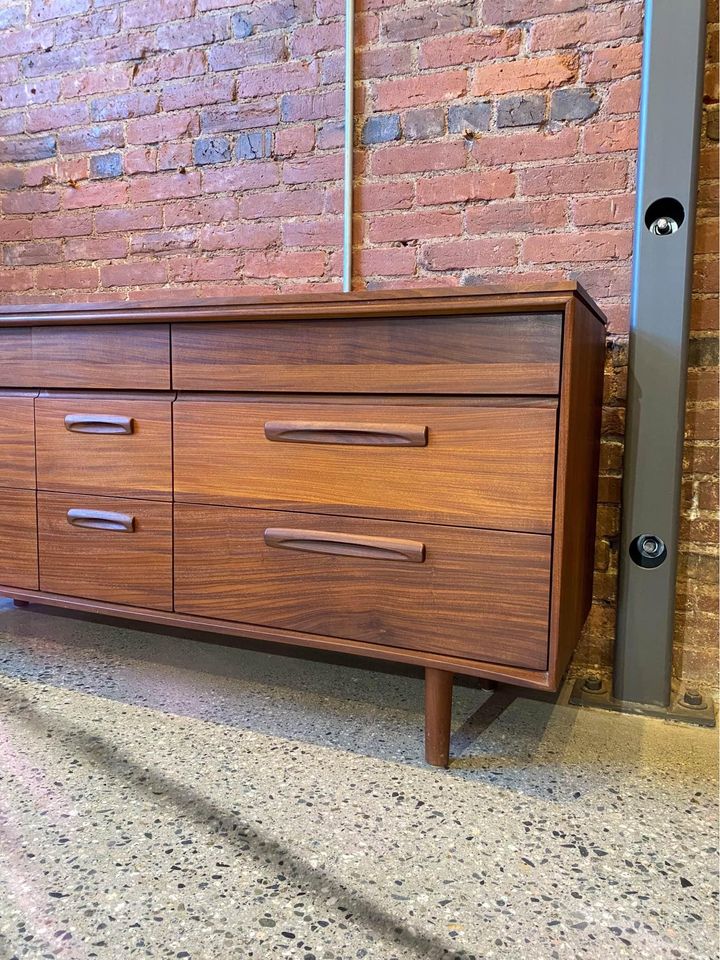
(371,197)
(171,66)
(162,127)
(30,201)
(245,176)
(247,53)
(589,177)
(165,186)
(417,158)
(96,248)
(471,254)
(63,225)
(195,93)
(609,63)
(611,22)
(294,264)
(461,187)
(386,262)
(173,156)
(516,216)
(311,40)
(197,269)
(578,247)
(16,280)
(596,211)
(88,83)
(247,236)
(509,11)
(102,194)
(52,9)
(67,278)
(323,232)
(380,62)
(204,210)
(513,148)
(140,13)
(15,229)
(612,136)
(276,79)
(163,241)
(147,217)
(536,73)
(290,141)
(29,254)
(415,226)
(193,33)
(55,117)
(133,274)
(313,170)
(271,206)
(468,48)
(140,160)
(419,91)
(623,96)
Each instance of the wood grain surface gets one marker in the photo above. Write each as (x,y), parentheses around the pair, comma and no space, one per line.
(478,594)
(18,539)
(17,442)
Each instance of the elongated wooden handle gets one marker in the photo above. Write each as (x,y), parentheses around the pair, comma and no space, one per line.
(98,423)
(346,545)
(101,520)
(362,434)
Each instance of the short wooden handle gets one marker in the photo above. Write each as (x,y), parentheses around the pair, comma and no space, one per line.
(98,423)
(346,545)
(101,520)
(362,434)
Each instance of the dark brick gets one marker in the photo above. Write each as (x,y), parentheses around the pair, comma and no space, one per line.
(575,103)
(713,128)
(521,111)
(28,148)
(469,116)
(106,165)
(241,26)
(424,124)
(211,150)
(703,352)
(381,128)
(11,17)
(253,146)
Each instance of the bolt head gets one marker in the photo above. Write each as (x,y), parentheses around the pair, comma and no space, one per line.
(692,698)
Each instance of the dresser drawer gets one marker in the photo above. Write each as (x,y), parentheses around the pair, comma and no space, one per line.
(486,466)
(18,539)
(504,354)
(106,447)
(91,357)
(106,549)
(470,593)
(17,442)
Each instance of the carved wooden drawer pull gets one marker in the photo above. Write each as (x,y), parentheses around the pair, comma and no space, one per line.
(346,545)
(362,434)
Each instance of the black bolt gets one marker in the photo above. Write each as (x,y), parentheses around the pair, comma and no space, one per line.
(693,698)
(593,684)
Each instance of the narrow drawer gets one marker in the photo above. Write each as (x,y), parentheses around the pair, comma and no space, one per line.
(472,593)
(106,549)
(111,357)
(501,354)
(17,441)
(18,539)
(487,466)
(119,448)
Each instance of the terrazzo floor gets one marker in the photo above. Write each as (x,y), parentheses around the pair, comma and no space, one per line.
(161,797)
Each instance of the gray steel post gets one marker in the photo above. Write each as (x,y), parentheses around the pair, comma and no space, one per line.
(672,74)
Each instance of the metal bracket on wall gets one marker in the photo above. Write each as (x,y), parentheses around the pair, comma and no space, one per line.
(672,74)
(687,705)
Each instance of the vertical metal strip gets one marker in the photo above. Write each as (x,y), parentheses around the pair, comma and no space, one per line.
(349,145)
(673,59)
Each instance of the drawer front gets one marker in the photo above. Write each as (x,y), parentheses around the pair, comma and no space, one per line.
(17,442)
(509,354)
(485,466)
(106,549)
(105,447)
(470,593)
(100,357)
(18,539)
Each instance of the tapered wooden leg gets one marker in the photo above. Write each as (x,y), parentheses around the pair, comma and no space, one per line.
(21,603)
(438,712)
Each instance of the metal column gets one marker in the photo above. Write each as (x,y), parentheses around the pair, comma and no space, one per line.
(673,63)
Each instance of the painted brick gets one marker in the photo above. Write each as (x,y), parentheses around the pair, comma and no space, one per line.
(253,146)
(533,73)
(100,137)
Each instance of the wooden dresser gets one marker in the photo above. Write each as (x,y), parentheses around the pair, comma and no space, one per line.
(409,476)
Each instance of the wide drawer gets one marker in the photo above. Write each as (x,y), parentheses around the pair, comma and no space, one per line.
(18,539)
(474,465)
(493,354)
(17,441)
(472,593)
(108,447)
(111,357)
(106,549)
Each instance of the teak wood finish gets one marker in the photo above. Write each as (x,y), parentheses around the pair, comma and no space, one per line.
(408,475)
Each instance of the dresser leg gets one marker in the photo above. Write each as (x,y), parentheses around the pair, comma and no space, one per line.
(438,712)
(21,603)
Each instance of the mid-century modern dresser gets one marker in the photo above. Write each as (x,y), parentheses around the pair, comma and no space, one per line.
(409,476)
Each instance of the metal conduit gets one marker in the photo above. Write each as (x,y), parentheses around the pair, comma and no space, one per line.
(349,138)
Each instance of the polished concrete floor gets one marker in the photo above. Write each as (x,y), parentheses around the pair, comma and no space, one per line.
(161,797)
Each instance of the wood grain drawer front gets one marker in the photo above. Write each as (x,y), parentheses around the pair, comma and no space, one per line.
(106,549)
(510,354)
(106,447)
(472,593)
(18,539)
(90,357)
(484,466)
(17,442)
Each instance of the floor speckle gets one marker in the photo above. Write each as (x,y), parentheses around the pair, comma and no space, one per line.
(165,798)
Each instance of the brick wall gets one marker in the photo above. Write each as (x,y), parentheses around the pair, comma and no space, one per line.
(151,148)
